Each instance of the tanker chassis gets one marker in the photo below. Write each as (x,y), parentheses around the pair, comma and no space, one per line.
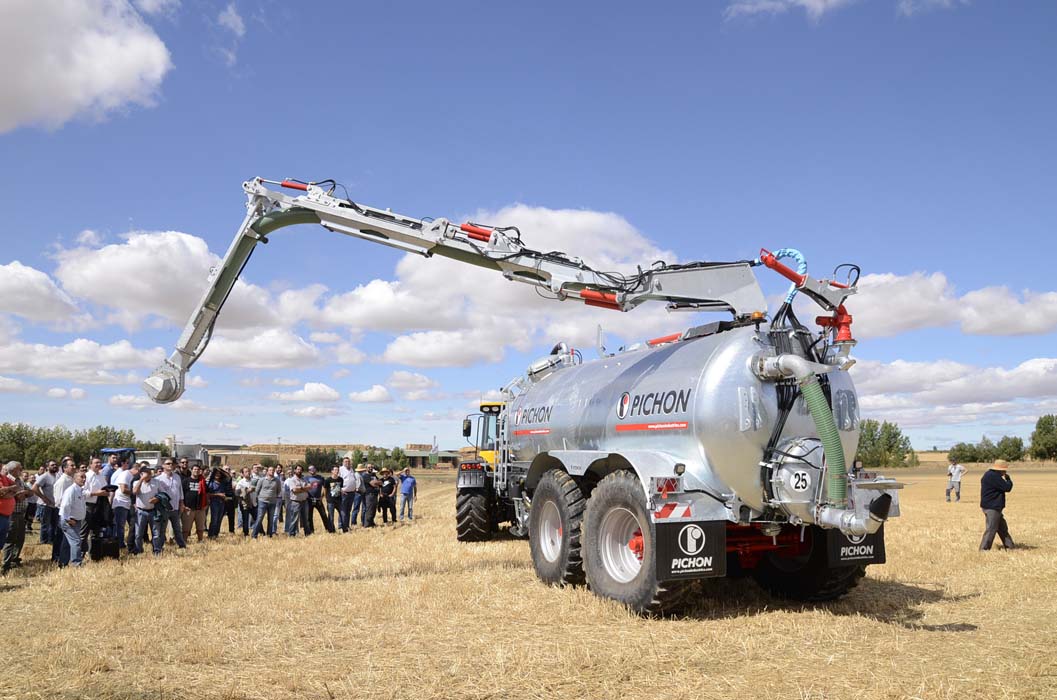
(718,451)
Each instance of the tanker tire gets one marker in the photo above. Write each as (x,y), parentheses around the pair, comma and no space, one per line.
(473,522)
(558,495)
(810,580)
(644,593)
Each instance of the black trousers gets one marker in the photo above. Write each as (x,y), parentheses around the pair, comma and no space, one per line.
(229,510)
(370,507)
(995,524)
(388,506)
(313,506)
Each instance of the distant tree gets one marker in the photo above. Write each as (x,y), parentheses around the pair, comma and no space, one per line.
(269,462)
(882,445)
(935,449)
(912,459)
(986,450)
(1010,449)
(321,458)
(963,452)
(357,457)
(1043,438)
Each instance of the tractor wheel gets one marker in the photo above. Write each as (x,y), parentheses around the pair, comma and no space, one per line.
(473,521)
(808,577)
(620,557)
(554,529)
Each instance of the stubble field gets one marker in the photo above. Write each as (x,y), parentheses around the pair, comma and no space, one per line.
(408,612)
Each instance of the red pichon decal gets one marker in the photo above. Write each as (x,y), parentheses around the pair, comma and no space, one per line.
(533,431)
(672,425)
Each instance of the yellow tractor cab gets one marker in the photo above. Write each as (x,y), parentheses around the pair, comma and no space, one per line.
(487,431)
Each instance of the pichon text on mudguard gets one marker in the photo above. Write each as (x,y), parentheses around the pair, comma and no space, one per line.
(688,550)
(653,403)
(855,549)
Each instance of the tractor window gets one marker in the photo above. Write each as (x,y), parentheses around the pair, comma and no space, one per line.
(488,435)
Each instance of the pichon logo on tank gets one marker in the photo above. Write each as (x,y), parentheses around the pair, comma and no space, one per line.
(653,403)
(533,415)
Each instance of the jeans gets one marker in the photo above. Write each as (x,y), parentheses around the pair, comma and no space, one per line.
(347,499)
(72,535)
(5,526)
(145,518)
(407,501)
(16,538)
(359,508)
(49,523)
(265,514)
(995,524)
(293,516)
(174,520)
(246,514)
(332,508)
(121,515)
(217,508)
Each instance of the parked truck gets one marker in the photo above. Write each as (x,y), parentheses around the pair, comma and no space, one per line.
(722,450)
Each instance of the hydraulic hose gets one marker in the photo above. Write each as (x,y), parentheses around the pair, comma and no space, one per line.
(804,372)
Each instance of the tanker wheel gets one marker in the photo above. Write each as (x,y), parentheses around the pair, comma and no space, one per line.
(808,577)
(619,554)
(554,529)
(473,522)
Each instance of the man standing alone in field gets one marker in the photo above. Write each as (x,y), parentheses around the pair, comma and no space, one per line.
(954,479)
(408,493)
(994,485)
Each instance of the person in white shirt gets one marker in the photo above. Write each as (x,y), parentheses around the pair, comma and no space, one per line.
(146,493)
(97,502)
(43,489)
(954,479)
(60,551)
(350,490)
(171,484)
(298,501)
(122,506)
(345,468)
(71,515)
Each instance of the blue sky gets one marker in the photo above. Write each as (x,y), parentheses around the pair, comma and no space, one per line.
(914,138)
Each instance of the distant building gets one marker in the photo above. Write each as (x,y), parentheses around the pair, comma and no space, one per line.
(420,459)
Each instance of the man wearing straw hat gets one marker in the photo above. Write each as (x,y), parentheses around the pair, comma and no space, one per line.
(994,485)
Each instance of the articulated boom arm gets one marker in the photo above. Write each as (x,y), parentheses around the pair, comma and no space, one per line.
(694,286)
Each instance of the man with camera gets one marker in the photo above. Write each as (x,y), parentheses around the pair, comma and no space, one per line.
(994,485)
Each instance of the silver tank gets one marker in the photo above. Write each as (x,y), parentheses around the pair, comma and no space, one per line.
(697,400)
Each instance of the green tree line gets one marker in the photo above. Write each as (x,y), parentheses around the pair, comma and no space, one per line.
(33,446)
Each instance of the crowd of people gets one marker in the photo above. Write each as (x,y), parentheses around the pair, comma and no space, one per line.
(101,508)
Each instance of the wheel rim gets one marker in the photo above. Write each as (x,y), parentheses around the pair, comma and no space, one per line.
(550,531)
(619,535)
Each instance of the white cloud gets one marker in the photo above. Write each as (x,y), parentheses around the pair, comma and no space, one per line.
(312,391)
(347,354)
(751,8)
(11,385)
(285,381)
(920,394)
(324,337)
(31,294)
(197,382)
(70,58)
(250,381)
(158,7)
(410,381)
(81,360)
(443,349)
(343,372)
(272,349)
(908,8)
(230,19)
(162,274)
(60,393)
(89,238)
(77,393)
(138,402)
(889,304)
(376,394)
(314,412)
(56,393)
(227,426)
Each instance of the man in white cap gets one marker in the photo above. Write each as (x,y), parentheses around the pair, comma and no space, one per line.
(994,485)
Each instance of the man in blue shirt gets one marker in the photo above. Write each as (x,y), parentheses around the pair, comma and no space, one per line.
(994,485)
(408,492)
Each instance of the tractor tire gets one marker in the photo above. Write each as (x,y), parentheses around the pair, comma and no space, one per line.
(616,518)
(473,521)
(554,529)
(808,578)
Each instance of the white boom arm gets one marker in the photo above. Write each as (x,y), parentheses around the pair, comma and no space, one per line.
(694,286)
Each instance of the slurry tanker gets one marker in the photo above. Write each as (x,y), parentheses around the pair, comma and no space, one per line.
(723,450)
